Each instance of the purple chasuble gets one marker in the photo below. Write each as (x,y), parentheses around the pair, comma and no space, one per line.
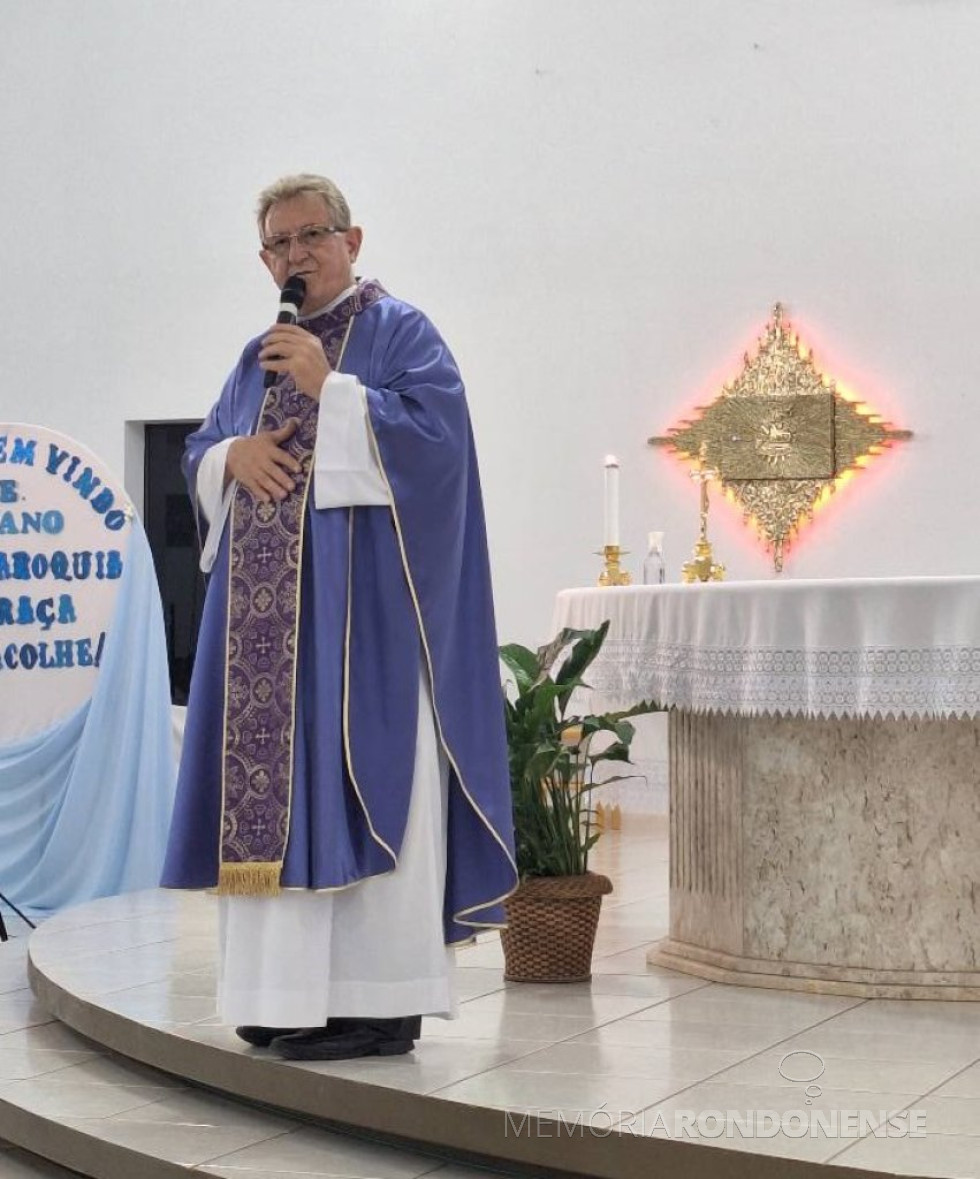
(379,590)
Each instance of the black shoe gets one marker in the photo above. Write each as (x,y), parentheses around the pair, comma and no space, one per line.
(253,1033)
(351,1039)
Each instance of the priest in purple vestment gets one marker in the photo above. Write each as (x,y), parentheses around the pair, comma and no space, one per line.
(344,785)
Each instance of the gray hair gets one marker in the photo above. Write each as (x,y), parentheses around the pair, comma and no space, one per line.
(305,182)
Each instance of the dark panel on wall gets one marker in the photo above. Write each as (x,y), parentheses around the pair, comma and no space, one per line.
(172,532)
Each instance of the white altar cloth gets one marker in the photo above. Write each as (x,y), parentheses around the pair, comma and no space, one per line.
(858,647)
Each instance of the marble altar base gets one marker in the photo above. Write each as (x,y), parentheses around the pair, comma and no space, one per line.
(830,855)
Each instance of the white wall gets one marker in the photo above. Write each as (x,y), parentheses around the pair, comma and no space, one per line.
(598,201)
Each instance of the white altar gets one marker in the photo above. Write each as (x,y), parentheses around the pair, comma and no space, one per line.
(824,775)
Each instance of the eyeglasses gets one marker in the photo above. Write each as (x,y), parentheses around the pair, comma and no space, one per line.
(309,238)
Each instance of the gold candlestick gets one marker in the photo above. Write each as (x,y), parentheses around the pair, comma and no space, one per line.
(702,566)
(613,574)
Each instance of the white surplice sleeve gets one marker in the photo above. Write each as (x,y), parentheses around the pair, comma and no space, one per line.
(213,498)
(345,473)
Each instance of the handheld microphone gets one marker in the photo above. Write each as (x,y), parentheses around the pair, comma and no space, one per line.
(290,301)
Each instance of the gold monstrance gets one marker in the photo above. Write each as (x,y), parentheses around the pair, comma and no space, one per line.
(702,566)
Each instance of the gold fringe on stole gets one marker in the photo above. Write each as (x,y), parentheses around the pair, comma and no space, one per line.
(251,879)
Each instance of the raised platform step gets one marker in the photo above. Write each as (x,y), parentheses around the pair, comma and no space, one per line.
(101,1114)
(21,1164)
(564,1078)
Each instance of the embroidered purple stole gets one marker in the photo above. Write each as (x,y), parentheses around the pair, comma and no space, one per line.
(263,615)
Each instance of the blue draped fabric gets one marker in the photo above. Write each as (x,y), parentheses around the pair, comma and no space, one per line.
(85,805)
(344,817)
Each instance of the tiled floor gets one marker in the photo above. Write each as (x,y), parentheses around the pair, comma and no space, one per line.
(642,1048)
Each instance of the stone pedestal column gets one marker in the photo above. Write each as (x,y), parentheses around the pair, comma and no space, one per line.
(826,855)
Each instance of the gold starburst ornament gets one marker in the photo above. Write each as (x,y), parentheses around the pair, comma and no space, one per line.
(781,437)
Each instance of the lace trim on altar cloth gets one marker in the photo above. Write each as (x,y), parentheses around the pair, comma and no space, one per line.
(869,682)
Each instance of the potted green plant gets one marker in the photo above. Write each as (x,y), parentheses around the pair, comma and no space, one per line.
(552,917)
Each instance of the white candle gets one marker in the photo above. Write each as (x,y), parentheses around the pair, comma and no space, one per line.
(612,501)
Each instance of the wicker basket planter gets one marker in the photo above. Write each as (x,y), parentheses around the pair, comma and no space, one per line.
(551,928)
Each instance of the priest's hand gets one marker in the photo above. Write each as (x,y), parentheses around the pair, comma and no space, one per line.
(291,349)
(260,463)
